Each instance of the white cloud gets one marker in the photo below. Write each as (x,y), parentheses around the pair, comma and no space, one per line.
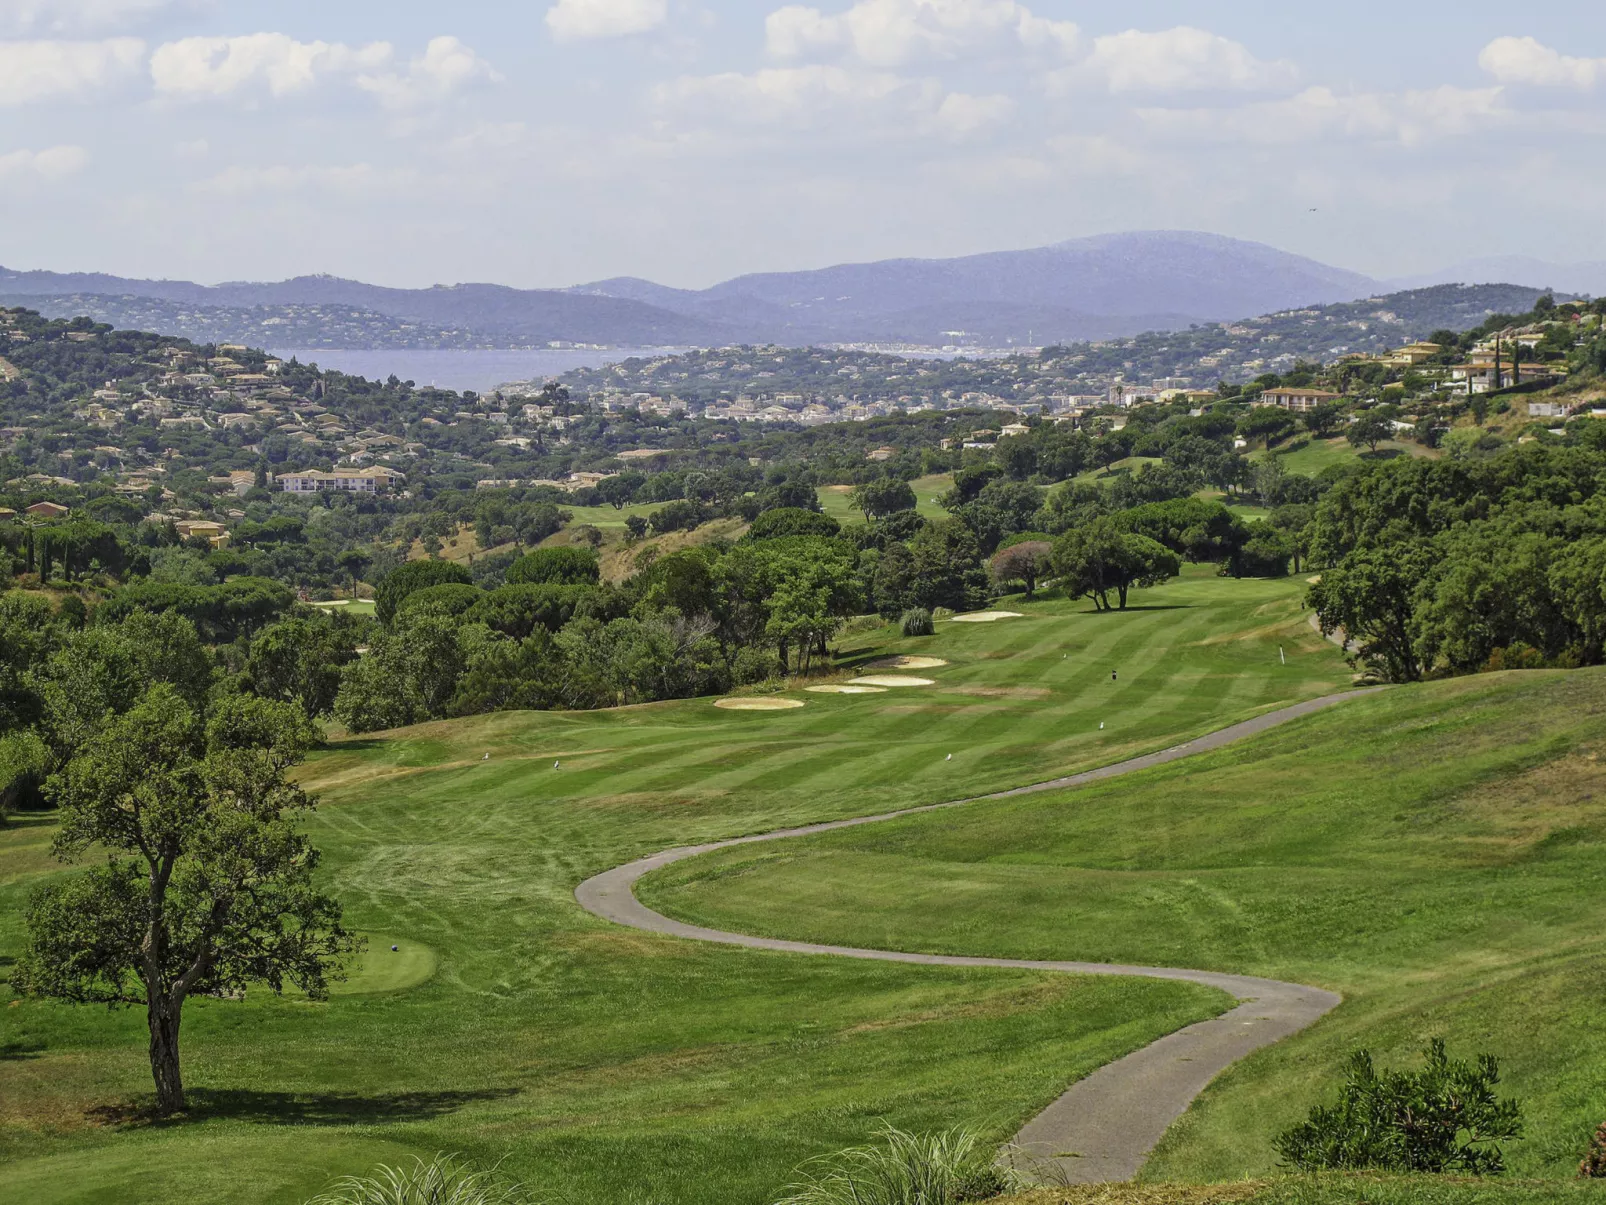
(53,163)
(802,95)
(446,66)
(197,68)
(963,115)
(84,16)
(35,71)
(1319,115)
(574,20)
(1529,61)
(848,103)
(1182,59)
(891,33)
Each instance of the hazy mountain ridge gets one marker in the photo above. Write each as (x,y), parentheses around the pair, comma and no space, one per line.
(1109,286)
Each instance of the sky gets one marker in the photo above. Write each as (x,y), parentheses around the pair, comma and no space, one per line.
(546,143)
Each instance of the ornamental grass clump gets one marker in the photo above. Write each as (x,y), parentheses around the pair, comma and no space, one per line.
(947,1168)
(917,622)
(1444,1118)
(444,1180)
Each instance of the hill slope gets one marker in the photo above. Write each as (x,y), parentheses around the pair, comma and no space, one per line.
(1431,852)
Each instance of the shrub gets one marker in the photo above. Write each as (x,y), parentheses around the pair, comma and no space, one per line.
(555,566)
(949,1168)
(442,1181)
(917,622)
(792,521)
(1444,1118)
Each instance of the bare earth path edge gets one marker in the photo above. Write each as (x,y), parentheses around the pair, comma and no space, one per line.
(1104,1126)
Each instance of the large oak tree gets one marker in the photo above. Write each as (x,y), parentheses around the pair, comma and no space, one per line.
(207,885)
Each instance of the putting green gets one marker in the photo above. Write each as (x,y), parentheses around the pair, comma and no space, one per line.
(379,969)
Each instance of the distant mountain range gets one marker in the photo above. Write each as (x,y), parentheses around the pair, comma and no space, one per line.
(1092,288)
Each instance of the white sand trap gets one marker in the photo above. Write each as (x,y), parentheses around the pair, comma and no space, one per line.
(987,616)
(892,680)
(908,663)
(847,690)
(758,704)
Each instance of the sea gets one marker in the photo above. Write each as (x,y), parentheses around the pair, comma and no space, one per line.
(481,371)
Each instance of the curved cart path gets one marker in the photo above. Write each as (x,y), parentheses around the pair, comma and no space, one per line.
(1104,1126)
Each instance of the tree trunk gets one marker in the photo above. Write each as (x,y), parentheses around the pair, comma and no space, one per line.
(1121,590)
(163,1017)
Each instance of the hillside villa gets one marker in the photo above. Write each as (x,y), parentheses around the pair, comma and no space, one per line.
(357,481)
(1300,401)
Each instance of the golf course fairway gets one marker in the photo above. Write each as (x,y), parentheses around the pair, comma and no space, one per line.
(606,1065)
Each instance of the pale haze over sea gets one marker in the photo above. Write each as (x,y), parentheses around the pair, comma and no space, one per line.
(479,370)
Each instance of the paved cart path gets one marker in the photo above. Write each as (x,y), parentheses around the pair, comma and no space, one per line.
(1104,1126)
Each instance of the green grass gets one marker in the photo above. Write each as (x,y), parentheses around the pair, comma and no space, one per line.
(1133,463)
(613,1066)
(606,516)
(361,606)
(1434,853)
(837,501)
(1309,457)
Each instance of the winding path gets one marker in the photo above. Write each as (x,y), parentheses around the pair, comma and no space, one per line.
(1105,1125)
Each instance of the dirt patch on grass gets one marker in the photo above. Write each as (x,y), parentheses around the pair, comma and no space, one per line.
(907,662)
(1001,692)
(895,680)
(1294,631)
(758,704)
(847,689)
(60,1093)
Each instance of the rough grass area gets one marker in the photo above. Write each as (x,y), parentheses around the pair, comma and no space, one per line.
(1433,852)
(611,1066)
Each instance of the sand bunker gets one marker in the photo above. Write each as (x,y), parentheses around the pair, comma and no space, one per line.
(847,690)
(892,680)
(986,616)
(758,704)
(908,663)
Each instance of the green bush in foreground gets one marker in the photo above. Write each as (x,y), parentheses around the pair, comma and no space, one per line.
(442,1181)
(917,622)
(948,1168)
(1444,1118)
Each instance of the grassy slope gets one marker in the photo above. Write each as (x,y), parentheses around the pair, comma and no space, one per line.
(610,1065)
(1315,455)
(836,500)
(1434,853)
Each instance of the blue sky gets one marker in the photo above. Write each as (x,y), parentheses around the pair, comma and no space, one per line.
(552,142)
